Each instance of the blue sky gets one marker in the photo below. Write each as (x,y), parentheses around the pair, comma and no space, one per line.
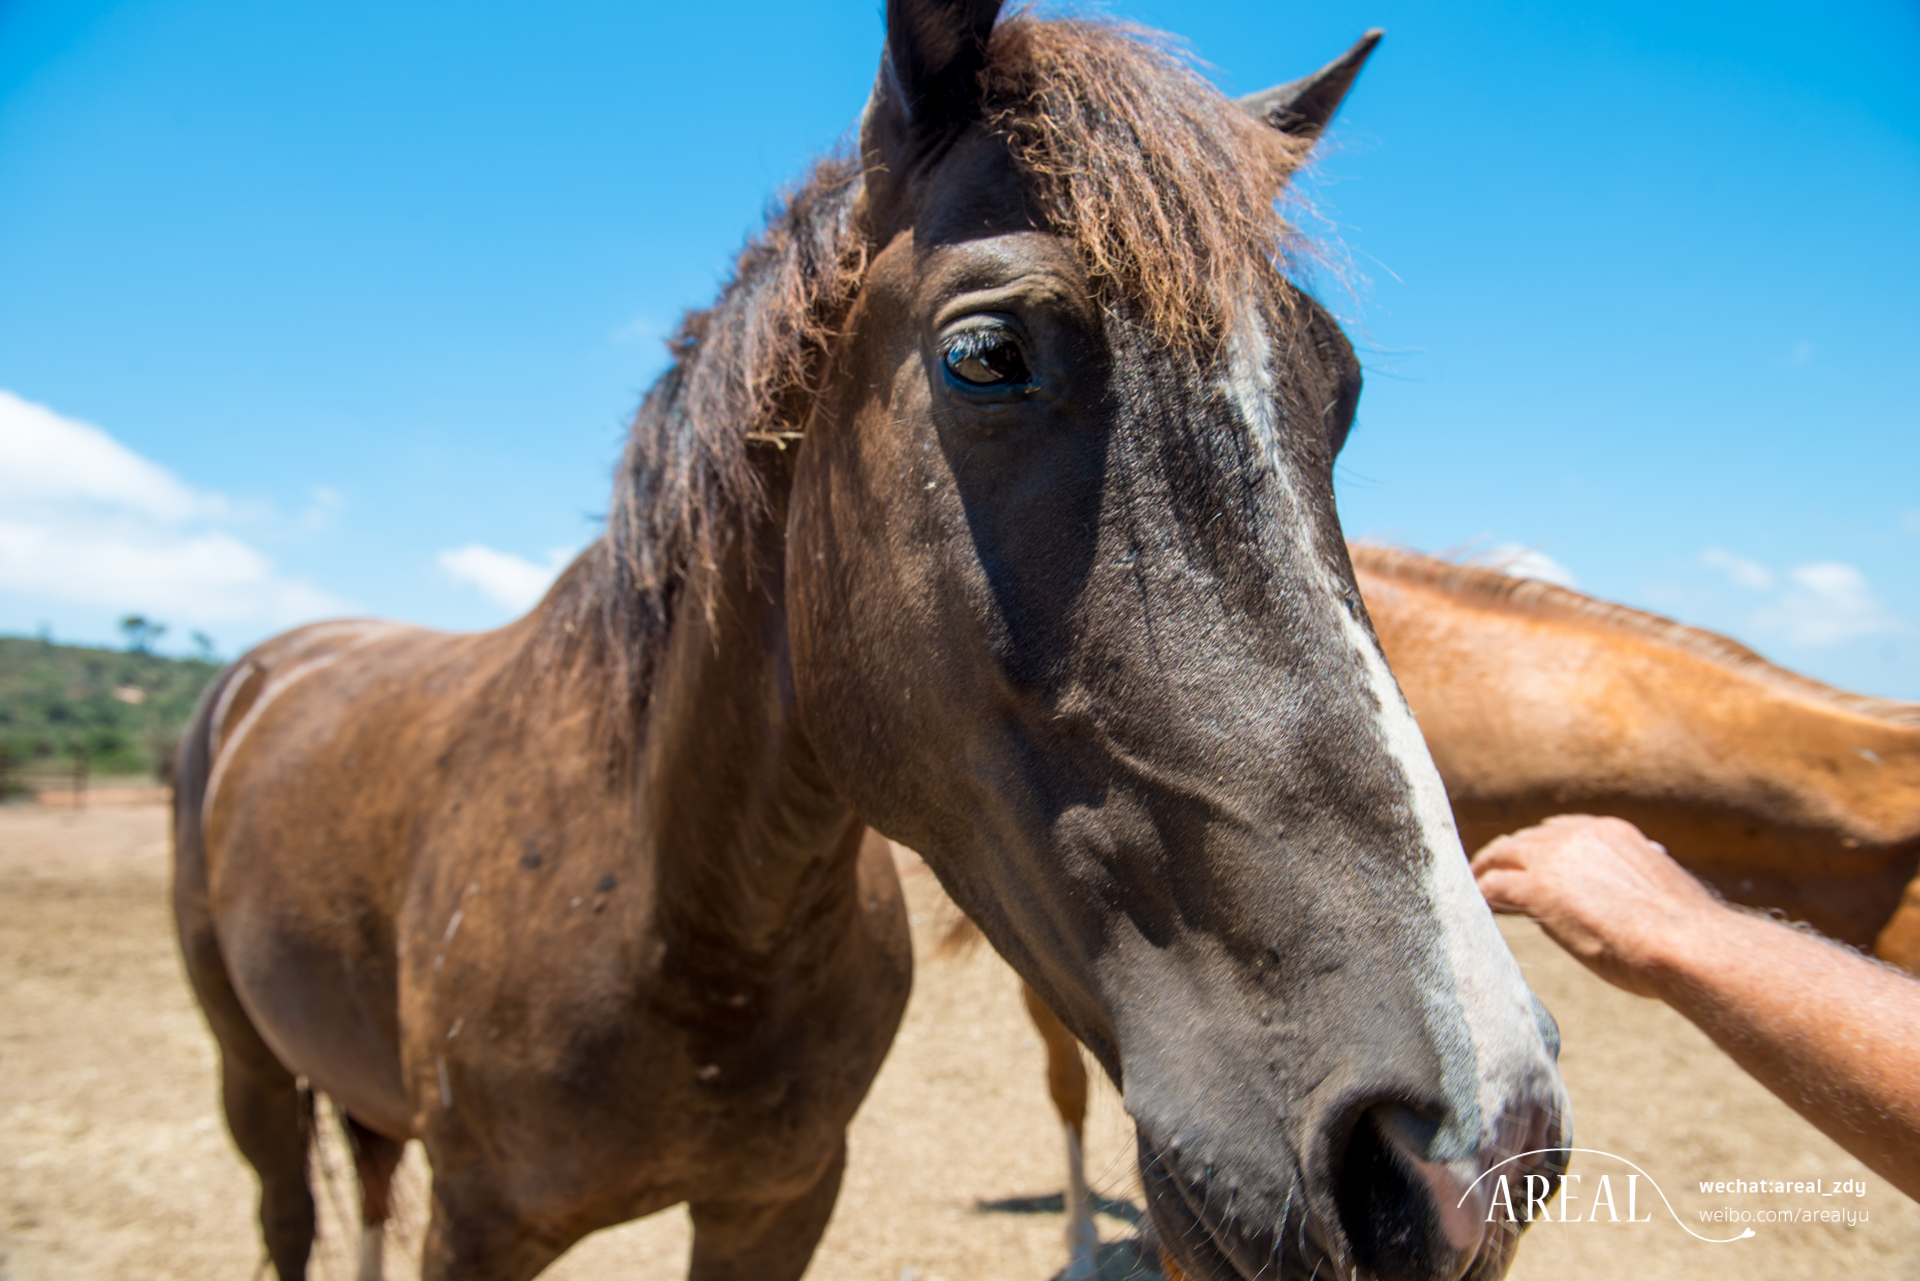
(307,309)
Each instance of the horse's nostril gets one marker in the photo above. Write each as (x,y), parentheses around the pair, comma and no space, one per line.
(1410,1217)
(1401,1212)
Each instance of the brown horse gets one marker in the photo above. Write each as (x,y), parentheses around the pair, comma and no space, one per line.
(1534,700)
(1779,791)
(990,507)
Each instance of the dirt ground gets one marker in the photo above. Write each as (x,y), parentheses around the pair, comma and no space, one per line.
(114,1162)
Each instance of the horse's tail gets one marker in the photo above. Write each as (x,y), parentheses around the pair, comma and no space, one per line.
(192,915)
(192,763)
(954,933)
(958,935)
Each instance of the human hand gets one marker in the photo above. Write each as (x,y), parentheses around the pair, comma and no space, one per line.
(1614,899)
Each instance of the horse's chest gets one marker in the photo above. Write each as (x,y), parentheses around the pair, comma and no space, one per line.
(612,1043)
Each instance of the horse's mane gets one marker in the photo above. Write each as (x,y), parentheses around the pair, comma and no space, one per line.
(1531,596)
(742,369)
(1167,189)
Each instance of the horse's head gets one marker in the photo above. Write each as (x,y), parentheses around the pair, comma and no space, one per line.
(1072,615)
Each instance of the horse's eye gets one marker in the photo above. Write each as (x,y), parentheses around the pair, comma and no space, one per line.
(987,357)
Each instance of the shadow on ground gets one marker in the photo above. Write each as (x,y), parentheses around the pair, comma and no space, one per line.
(1122,1261)
(1125,1211)
(1114,1261)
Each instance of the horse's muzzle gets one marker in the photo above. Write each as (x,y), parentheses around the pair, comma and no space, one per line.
(1385,1212)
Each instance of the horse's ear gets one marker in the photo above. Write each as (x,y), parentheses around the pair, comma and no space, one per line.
(1303,107)
(929,83)
(936,49)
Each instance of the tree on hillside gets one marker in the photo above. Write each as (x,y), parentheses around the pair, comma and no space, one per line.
(141,633)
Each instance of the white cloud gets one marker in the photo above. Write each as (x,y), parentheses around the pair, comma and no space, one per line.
(1517,560)
(1826,603)
(45,458)
(1816,605)
(509,581)
(1749,574)
(85,520)
(324,503)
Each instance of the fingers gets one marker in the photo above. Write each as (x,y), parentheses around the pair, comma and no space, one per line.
(1581,879)
(1573,867)
(1509,851)
(1504,890)
(1563,836)
(1600,888)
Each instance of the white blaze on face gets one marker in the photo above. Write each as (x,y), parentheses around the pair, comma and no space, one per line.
(1480,1010)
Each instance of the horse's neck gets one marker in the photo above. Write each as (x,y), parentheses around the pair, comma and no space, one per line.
(746,833)
(1515,701)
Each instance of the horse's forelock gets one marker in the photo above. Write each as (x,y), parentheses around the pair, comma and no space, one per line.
(1166,188)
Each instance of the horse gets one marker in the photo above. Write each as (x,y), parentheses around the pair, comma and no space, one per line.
(990,507)
(1780,792)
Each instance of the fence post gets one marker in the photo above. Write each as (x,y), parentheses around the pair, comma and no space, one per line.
(80,778)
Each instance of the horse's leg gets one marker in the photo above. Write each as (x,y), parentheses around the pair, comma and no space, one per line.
(375,1157)
(764,1241)
(472,1236)
(1067,1082)
(271,1120)
(268,1114)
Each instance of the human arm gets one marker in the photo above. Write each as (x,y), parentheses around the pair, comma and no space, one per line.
(1835,1035)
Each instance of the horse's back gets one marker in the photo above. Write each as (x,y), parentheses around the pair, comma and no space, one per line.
(1553,699)
(1782,792)
(304,778)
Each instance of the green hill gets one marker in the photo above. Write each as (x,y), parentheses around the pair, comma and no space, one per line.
(122,709)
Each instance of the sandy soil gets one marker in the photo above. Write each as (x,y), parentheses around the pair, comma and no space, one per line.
(114,1162)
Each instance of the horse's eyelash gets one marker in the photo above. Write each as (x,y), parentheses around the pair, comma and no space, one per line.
(973,342)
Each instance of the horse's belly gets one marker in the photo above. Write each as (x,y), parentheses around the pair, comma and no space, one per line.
(324,1007)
